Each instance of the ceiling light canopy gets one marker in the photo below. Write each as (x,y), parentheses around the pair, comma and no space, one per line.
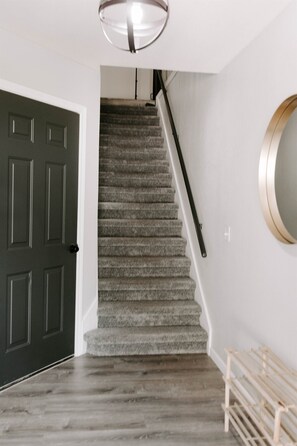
(132,25)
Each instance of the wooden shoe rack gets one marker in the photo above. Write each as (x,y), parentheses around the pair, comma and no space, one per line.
(261,398)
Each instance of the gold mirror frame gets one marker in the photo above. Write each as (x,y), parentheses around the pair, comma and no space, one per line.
(267,170)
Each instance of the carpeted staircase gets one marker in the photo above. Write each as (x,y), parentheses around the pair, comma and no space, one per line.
(146,297)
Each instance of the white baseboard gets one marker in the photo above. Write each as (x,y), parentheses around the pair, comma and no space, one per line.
(218,360)
(89,322)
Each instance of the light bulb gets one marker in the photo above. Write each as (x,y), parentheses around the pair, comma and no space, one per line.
(136,14)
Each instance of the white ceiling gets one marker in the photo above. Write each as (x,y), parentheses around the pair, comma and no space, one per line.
(200,36)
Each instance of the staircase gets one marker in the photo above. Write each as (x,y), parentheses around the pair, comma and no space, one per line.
(146,297)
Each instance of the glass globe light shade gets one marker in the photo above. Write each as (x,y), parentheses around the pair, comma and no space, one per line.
(132,25)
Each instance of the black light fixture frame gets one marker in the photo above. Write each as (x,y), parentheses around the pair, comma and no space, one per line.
(130,27)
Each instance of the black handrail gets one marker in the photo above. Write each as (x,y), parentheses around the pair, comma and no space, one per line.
(183,168)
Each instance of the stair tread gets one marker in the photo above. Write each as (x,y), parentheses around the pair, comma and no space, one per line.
(136,195)
(138,222)
(104,114)
(139,228)
(150,307)
(132,153)
(116,165)
(140,260)
(108,241)
(143,130)
(128,109)
(138,335)
(152,162)
(135,205)
(127,102)
(120,126)
(124,139)
(113,180)
(131,210)
(127,120)
(145,190)
(118,144)
(135,175)
(147,283)
(148,313)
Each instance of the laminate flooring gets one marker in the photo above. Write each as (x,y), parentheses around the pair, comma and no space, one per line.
(118,401)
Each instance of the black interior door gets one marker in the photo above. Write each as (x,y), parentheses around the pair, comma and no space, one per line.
(38,223)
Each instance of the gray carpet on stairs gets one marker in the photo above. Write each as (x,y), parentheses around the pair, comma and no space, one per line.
(146,295)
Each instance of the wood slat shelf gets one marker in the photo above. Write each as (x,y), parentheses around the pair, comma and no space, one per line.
(263,409)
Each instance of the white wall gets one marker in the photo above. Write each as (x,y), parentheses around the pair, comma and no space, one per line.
(119,83)
(250,284)
(32,71)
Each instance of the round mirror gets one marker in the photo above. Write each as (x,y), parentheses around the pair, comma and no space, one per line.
(278,172)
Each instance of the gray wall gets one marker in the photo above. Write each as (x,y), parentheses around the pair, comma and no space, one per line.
(250,283)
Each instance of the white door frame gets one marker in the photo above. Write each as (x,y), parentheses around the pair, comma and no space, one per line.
(30,93)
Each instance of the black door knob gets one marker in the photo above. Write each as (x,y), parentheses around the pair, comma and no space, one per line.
(73,248)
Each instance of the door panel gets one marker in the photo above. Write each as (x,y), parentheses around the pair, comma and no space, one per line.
(56,135)
(55,203)
(20,195)
(21,127)
(19,297)
(38,222)
(53,300)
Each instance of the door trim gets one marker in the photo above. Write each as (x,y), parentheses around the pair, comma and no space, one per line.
(29,93)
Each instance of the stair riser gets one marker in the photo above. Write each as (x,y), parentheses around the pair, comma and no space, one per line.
(146,295)
(131,251)
(114,130)
(146,335)
(146,320)
(143,272)
(130,120)
(132,111)
(110,165)
(138,251)
(135,197)
(133,155)
(113,180)
(118,231)
(147,286)
(122,141)
(138,214)
(166,348)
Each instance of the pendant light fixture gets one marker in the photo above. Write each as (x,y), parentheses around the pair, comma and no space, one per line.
(132,25)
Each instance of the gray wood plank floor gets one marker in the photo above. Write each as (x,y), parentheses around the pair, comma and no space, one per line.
(151,400)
